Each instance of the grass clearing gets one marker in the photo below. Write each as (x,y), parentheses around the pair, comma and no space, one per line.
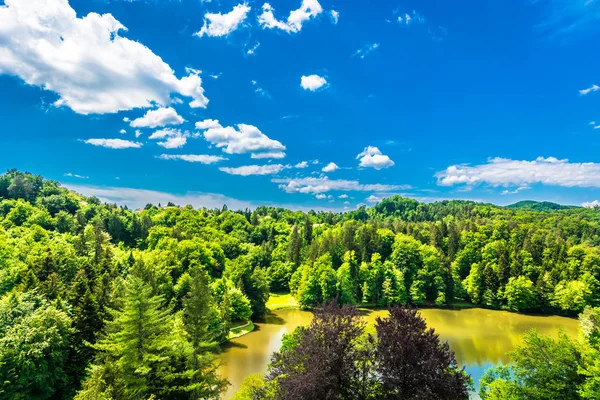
(281,301)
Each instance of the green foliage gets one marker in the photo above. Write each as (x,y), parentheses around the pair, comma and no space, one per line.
(79,255)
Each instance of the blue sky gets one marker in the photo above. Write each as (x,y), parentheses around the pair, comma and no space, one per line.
(206,102)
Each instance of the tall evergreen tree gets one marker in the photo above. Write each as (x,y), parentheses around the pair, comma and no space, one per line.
(198,314)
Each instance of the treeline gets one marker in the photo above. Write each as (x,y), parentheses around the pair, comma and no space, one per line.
(72,268)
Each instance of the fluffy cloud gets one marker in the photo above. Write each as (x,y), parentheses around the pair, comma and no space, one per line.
(373,199)
(324,185)
(114,143)
(321,196)
(507,172)
(335,16)
(244,139)
(371,157)
(223,24)
(252,50)
(138,198)
(172,138)
(208,123)
(159,117)
(343,196)
(592,88)
(71,175)
(92,68)
(122,131)
(366,50)
(193,158)
(302,164)
(330,167)
(591,204)
(308,9)
(312,82)
(277,154)
(246,170)
(408,19)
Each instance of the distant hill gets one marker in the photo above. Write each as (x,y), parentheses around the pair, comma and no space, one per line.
(539,206)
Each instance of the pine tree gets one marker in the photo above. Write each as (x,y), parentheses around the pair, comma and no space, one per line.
(197,317)
(294,247)
(308,229)
(137,343)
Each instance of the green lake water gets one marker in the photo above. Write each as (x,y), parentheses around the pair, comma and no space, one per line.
(480,338)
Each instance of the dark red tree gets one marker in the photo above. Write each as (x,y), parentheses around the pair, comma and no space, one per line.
(412,363)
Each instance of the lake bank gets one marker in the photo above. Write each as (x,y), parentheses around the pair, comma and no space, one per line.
(479,337)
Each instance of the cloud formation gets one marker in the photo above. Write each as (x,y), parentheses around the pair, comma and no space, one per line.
(312,82)
(244,139)
(324,184)
(193,158)
(330,167)
(218,24)
(247,170)
(86,61)
(371,157)
(506,172)
(366,50)
(160,117)
(592,88)
(308,9)
(114,143)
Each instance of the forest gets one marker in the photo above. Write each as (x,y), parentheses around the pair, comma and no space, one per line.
(102,302)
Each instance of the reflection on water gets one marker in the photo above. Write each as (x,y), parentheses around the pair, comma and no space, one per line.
(480,338)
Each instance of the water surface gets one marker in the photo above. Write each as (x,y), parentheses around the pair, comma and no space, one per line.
(480,338)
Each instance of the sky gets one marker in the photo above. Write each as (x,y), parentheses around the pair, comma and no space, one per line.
(322,104)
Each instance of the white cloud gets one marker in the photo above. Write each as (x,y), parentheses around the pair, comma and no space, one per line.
(92,68)
(193,158)
(138,198)
(506,172)
(592,122)
(343,196)
(312,82)
(173,138)
(126,119)
(597,127)
(324,184)
(252,50)
(114,143)
(122,131)
(591,204)
(592,88)
(277,154)
(244,139)
(246,170)
(138,133)
(517,190)
(371,157)
(408,19)
(174,142)
(159,117)
(71,175)
(366,50)
(330,167)
(373,199)
(302,164)
(321,196)
(309,9)
(223,24)
(335,16)
(315,162)
(208,124)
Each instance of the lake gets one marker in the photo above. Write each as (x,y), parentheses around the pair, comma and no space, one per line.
(479,337)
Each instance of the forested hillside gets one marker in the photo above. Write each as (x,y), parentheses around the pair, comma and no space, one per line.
(140,298)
